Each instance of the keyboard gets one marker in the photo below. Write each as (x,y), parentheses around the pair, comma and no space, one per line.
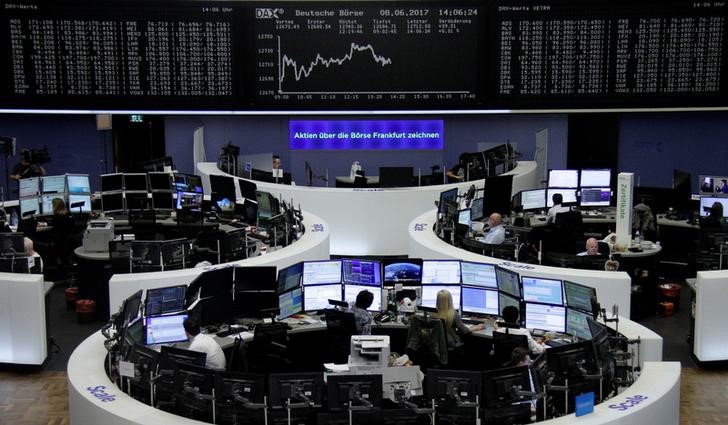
(472,321)
(557,342)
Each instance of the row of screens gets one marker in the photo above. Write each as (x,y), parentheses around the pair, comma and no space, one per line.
(714,185)
(124,201)
(539,199)
(43,204)
(574,178)
(71,183)
(142,182)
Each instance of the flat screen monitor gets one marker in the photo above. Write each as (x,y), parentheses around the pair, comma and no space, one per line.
(706,202)
(162,201)
(595,197)
(579,296)
(74,199)
(508,282)
(448,196)
(170,356)
(476,209)
(112,182)
(719,185)
(577,324)
(441,272)
(231,386)
(136,182)
(305,387)
(78,183)
(362,272)
(28,187)
(212,283)
(596,178)
(256,278)
(12,244)
(478,274)
(290,277)
(189,201)
(47,202)
(429,295)
(572,360)
(539,290)
(499,384)
(316,297)
(160,181)
(533,200)
(479,301)
(449,385)
(569,196)
(352,290)
(256,304)
(130,308)
(564,178)
(222,187)
(706,184)
(505,300)
(348,391)
(147,253)
(137,200)
(321,272)
(464,217)
(290,303)
(405,271)
(175,251)
(30,204)
(111,202)
(188,183)
(247,189)
(165,300)
(546,317)
(53,184)
(497,192)
(395,176)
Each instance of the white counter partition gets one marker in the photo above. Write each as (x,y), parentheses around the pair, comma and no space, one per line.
(22,319)
(711,334)
(370,221)
(313,245)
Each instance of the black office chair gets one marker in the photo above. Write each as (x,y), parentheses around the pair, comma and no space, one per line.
(503,345)
(269,349)
(427,342)
(340,326)
(238,359)
(567,230)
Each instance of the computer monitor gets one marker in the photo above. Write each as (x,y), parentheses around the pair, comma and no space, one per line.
(577,324)
(564,178)
(30,204)
(505,300)
(540,290)
(706,184)
(478,274)
(165,329)
(146,253)
(170,356)
(255,303)
(188,183)
(508,282)
(405,271)
(395,176)
(247,189)
(160,181)
(450,385)
(240,388)
(595,197)
(162,201)
(571,360)
(580,297)
(78,183)
(165,300)
(546,317)
(290,303)
(189,201)
(448,196)
(28,187)
(500,386)
(222,188)
(569,196)
(476,209)
(321,272)
(46,202)
(304,387)
(290,277)
(706,202)
(130,308)
(112,202)
(533,200)
(112,182)
(479,301)
(352,391)
(595,178)
(12,244)
(211,283)
(428,296)
(136,201)
(464,216)
(53,184)
(74,199)
(352,290)
(362,272)
(497,191)
(440,272)
(256,278)
(316,297)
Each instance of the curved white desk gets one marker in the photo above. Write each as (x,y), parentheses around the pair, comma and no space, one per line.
(370,221)
(94,399)
(313,245)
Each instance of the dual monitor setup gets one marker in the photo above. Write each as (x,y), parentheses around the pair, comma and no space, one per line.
(586,188)
(36,194)
(713,189)
(13,258)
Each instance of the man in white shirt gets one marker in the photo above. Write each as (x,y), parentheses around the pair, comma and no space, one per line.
(510,317)
(497,233)
(592,248)
(204,344)
(557,208)
(35,263)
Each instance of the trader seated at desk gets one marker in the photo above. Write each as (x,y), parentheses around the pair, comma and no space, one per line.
(591,246)
(362,316)
(557,208)
(452,321)
(496,233)
(715,219)
(510,326)
(204,344)
(35,262)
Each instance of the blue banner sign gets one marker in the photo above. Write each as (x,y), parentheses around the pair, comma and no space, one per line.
(366,135)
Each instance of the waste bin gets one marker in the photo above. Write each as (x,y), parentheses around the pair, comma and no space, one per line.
(669,297)
(85,310)
(71,297)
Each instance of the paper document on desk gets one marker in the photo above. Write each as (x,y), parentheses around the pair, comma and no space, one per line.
(333,367)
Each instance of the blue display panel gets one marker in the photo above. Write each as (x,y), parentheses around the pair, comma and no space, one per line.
(479,301)
(547,291)
(165,329)
(364,272)
(368,135)
(290,303)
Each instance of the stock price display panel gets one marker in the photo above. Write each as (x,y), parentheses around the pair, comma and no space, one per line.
(367,55)
(609,53)
(115,55)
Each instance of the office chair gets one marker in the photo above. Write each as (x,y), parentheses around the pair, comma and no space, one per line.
(269,348)
(238,359)
(566,232)
(426,342)
(340,326)
(503,345)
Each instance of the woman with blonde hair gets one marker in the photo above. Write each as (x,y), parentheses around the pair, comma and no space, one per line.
(452,321)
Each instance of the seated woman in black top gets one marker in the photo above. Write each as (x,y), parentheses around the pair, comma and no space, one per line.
(715,219)
(453,324)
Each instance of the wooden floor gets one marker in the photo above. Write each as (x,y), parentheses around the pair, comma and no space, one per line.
(41,398)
